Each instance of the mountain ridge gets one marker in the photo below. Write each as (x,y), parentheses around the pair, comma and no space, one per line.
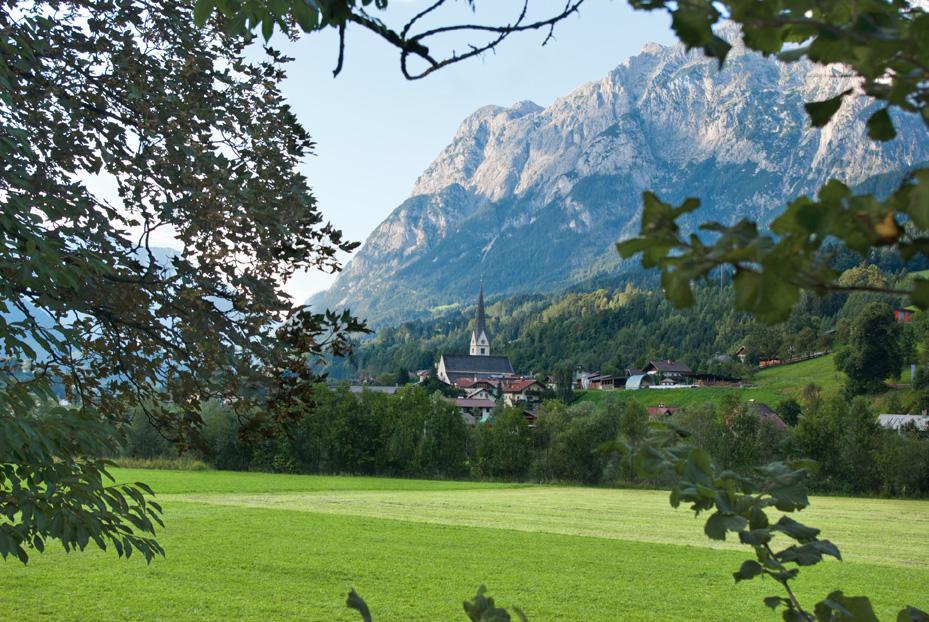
(534,198)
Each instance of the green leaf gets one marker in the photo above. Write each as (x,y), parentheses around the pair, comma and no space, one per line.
(719,523)
(748,570)
(820,112)
(808,554)
(755,537)
(356,602)
(307,17)
(912,614)
(773,601)
(880,127)
(795,530)
(267,28)
(837,606)
(202,10)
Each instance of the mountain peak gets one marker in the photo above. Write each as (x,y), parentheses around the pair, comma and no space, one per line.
(538,196)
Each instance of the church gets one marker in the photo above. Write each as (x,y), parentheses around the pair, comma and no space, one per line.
(478,363)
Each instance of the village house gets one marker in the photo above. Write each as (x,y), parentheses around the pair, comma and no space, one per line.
(525,392)
(474,409)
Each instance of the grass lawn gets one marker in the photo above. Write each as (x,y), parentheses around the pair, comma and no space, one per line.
(247,546)
(769,386)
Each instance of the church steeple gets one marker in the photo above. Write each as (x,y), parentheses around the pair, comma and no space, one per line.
(480,343)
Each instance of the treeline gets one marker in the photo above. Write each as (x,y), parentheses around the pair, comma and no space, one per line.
(612,328)
(417,434)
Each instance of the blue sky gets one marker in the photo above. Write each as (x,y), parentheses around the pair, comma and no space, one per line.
(376,132)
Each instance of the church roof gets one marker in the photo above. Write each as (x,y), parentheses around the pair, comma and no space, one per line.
(478,364)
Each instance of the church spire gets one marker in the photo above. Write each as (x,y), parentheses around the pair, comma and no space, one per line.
(480,342)
(479,326)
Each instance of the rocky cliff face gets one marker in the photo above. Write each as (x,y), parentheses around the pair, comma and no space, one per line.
(534,198)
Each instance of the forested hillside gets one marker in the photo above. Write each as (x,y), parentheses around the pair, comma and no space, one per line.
(622,324)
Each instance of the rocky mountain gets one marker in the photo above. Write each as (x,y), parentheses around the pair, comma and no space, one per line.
(534,198)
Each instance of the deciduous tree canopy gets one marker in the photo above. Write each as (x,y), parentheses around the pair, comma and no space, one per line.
(118,119)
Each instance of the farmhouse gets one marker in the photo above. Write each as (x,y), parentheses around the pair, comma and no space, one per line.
(669,372)
(478,363)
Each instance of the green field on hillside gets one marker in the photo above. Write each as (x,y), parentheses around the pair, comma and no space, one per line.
(769,386)
(248,546)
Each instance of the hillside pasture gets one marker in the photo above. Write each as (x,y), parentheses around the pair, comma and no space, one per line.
(769,386)
(250,546)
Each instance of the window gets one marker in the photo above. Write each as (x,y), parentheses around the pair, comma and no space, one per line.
(482,350)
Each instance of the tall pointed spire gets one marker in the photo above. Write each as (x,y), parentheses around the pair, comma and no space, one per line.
(479,326)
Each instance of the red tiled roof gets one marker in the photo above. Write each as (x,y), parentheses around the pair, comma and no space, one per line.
(517,386)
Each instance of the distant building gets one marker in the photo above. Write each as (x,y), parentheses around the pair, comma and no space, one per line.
(902,422)
(904,315)
(670,372)
(742,353)
(766,413)
(638,381)
(525,392)
(478,363)
(474,410)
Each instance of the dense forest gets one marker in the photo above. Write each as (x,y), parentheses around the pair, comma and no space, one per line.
(625,323)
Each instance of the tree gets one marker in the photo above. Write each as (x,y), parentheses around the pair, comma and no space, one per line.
(445,439)
(194,139)
(873,351)
(564,383)
(789,411)
(505,445)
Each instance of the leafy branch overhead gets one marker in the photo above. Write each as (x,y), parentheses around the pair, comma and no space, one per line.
(416,40)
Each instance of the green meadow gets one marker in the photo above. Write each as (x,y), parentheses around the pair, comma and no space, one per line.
(250,546)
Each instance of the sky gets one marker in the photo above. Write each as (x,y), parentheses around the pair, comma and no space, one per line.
(375,131)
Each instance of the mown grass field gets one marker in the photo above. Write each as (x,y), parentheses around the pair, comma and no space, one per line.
(769,386)
(247,546)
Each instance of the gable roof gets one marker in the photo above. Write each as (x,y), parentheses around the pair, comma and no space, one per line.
(477,364)
(467,402)
(669,366)
(517,386)
(766,413)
